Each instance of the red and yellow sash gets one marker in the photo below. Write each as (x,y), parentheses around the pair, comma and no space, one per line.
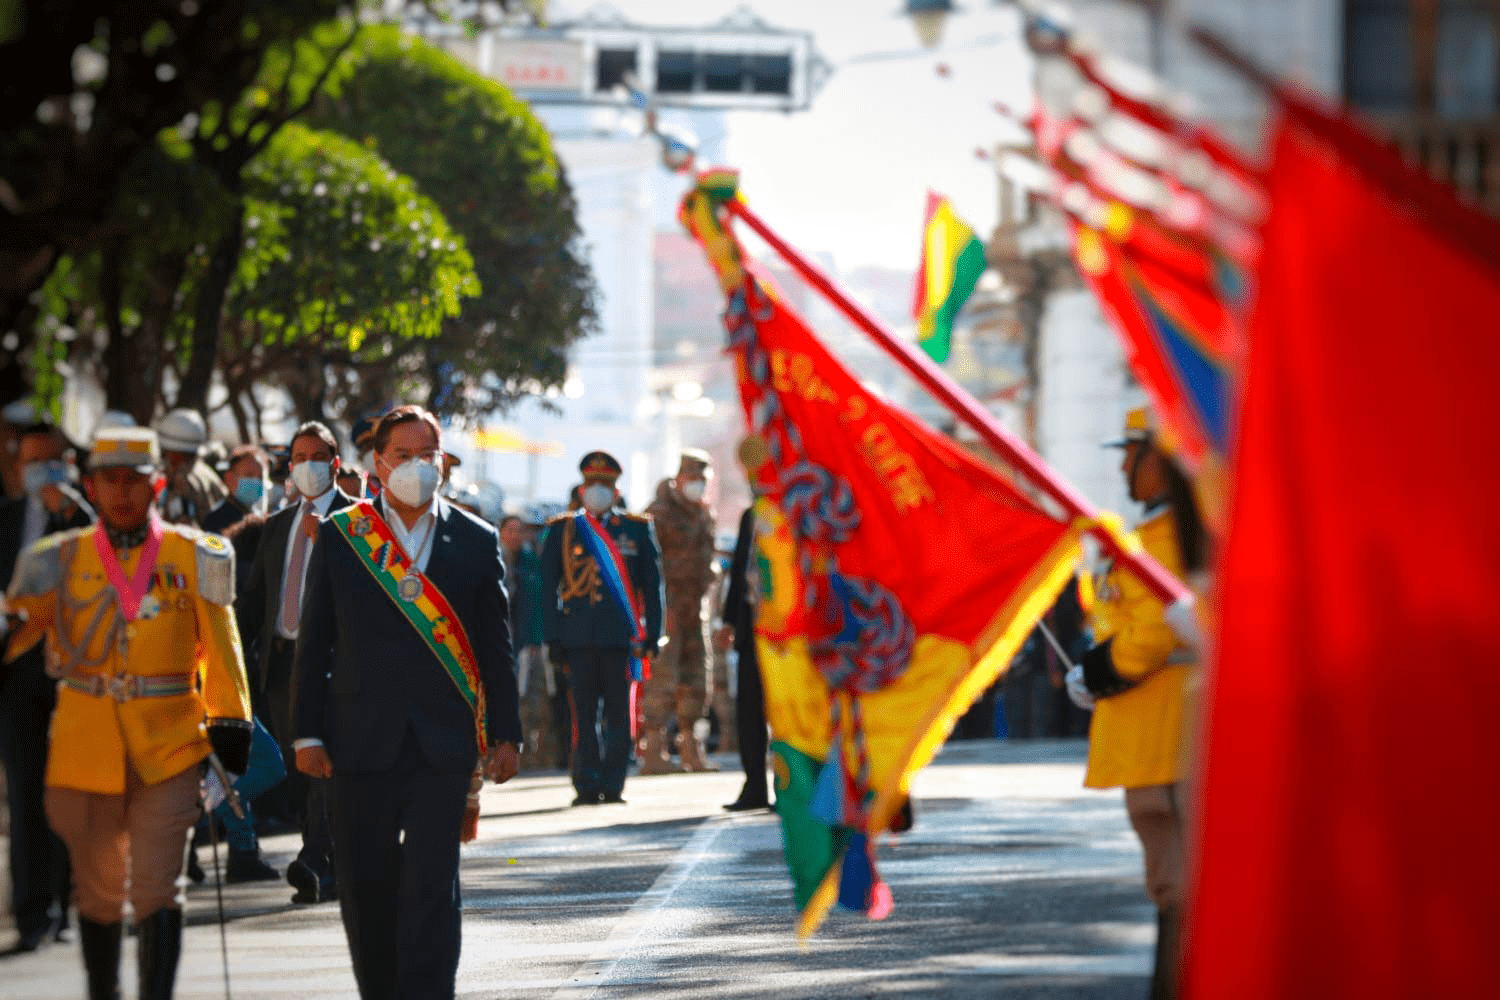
(422,603)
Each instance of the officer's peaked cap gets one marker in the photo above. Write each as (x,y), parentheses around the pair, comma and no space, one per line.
(600,465)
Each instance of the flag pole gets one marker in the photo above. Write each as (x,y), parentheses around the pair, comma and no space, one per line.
(948,392)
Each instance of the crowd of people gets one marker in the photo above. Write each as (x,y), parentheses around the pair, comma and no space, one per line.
(265,621)
(283,678)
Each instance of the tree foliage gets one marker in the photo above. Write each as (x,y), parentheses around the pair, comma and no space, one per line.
(86,88)
(488,162)
(345,263)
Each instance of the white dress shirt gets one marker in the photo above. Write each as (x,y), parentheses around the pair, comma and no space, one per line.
(320,506)
(420,534)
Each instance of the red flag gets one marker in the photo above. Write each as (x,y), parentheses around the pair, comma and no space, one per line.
(1348,819)
(898,576)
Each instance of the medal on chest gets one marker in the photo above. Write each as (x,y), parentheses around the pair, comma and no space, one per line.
(410,587)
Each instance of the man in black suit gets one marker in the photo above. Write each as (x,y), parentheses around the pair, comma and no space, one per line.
(270,616)
(404,671)
(39,874)
(246,481)
(750,705)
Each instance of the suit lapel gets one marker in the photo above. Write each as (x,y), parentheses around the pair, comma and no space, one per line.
(279,540)
(439,563)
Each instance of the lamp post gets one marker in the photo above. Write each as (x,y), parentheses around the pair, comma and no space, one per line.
(928,18)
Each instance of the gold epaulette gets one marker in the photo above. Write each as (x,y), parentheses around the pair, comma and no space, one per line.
(638,518)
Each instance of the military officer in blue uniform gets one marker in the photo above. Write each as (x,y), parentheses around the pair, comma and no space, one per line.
(601,581)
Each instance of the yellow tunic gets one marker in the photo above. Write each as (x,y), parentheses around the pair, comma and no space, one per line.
(60,584)
(1136,738)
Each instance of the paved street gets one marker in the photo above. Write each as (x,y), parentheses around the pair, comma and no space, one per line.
(1015,883)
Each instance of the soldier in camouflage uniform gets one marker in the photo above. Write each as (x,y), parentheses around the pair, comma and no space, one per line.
(685,530)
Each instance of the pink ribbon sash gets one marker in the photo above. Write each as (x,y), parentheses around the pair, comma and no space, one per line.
(133,590)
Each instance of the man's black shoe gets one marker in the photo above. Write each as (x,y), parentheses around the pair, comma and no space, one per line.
(248,866)
(613,800)
(743,804)
(587,800)
(300,876)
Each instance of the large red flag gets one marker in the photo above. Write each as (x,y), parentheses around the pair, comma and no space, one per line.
(898,576)
(1349,820)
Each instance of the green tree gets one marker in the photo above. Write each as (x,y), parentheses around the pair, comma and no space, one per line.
(344,266)
(488,162)
(86,87)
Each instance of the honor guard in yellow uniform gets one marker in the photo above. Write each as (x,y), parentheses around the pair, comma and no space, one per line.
(1139,674)
(138,619)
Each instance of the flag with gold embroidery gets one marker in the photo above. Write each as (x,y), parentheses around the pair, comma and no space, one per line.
(898,576)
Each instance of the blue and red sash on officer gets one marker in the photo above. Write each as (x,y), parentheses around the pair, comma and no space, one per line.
(616,580)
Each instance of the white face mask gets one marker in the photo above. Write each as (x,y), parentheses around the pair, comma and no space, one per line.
(597,499)
(312,479)
(413,482)
(693,489)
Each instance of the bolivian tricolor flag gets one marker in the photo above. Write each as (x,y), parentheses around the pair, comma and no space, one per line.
(898,574)
(952,261)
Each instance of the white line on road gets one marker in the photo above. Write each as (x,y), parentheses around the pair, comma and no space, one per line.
(635,928)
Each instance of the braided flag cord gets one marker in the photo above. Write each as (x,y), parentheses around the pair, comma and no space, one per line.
(870,646)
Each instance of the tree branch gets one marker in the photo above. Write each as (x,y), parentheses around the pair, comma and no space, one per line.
(312,93)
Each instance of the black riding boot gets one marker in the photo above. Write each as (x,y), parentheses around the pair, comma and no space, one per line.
(101,957)
(158,945)
(1164,975)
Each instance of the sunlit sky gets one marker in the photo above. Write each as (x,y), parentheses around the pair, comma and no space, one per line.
(850,175)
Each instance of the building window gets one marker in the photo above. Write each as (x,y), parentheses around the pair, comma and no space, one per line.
(1378,55)
(1464,66)
(1423,56)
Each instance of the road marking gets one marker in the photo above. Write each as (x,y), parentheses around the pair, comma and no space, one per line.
(639,922)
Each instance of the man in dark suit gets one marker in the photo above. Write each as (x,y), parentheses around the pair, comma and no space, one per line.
(404,671)
(246,481)
(270,616)
(39,874)
(597,632)
(750,705)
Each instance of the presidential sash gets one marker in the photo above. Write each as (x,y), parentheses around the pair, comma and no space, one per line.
(616,579)
(422,604)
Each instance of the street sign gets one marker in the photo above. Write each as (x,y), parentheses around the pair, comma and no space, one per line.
(544,65)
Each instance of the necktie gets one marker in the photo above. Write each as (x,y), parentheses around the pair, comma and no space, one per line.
(291,594)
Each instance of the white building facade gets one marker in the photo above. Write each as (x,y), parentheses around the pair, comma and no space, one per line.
(1084,385)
